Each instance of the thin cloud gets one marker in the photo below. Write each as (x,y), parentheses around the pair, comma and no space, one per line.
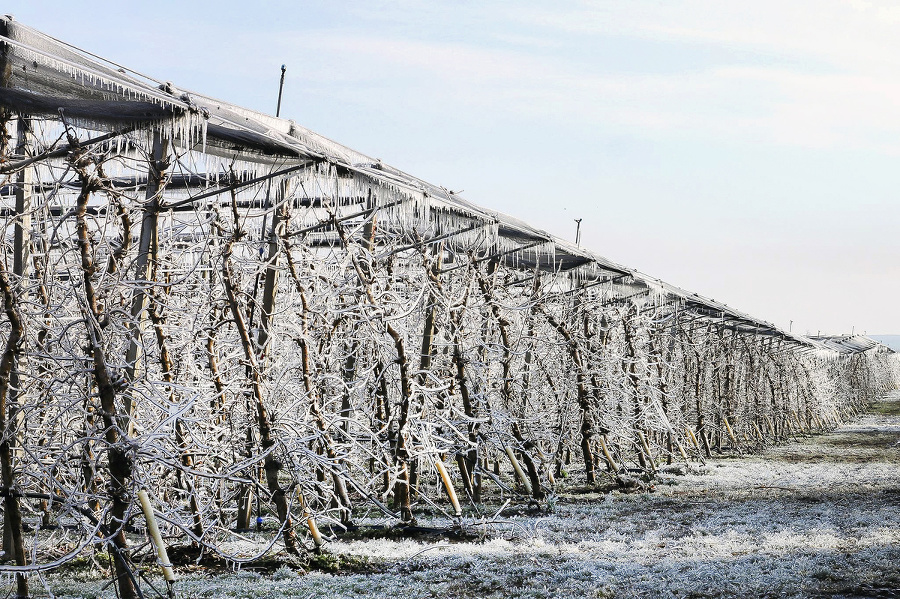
(759,103)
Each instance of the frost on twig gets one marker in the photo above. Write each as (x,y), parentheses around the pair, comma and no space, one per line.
(340,344)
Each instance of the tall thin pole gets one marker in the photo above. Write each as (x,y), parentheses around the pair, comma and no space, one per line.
(280,89)
(578,231)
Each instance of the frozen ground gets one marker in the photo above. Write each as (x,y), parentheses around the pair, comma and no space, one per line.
(819,517)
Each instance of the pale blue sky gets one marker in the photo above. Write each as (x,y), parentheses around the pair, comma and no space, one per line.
(746,151)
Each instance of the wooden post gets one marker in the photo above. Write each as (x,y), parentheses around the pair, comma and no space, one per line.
(646,449)
(770,425)
(465,475)
(245,508)
(520,474)
(147,244)
(310,522)
(693,438)
(271,285)
(448,486)
(606,454)
(13,542)
(22,235)
(156,537)
(759,434)
(799,422)
(682,451)
(730,431)
(701,430)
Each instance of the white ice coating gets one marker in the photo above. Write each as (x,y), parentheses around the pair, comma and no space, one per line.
(91,78)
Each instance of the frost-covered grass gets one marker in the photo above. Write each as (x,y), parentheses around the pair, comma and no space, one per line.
(819,517)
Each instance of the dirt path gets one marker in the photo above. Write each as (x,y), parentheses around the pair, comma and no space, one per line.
(817,518)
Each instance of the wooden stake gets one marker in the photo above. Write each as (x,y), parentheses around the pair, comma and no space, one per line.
(646,449)
(245,507)
(800,426)
(609,459)
(448,486)
(156,537)
(730,431)
(520,474)
(758,432)
(681,450)
(693,438)
(310,522)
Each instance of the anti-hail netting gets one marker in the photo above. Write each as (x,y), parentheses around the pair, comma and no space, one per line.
(318,346)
